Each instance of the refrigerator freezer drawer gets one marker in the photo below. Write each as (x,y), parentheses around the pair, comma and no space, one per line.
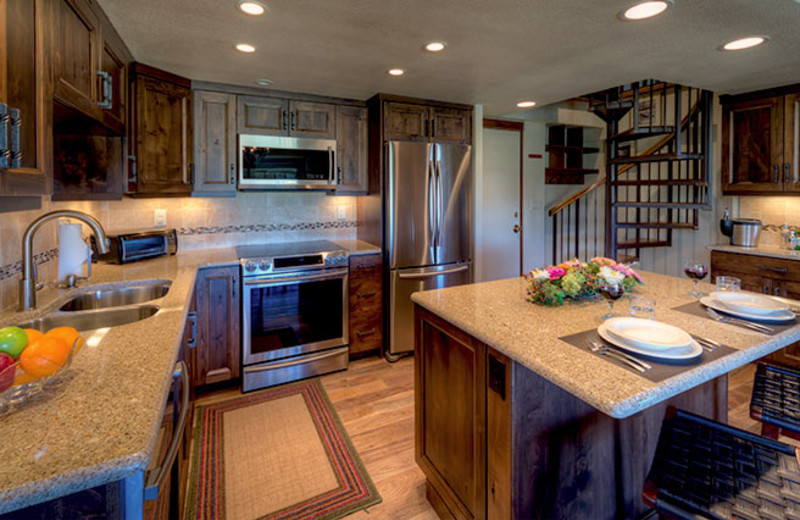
(403,283)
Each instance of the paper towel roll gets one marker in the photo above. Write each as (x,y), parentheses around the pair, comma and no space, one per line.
(72,251)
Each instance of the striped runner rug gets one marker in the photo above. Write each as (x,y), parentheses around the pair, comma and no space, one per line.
(277,454)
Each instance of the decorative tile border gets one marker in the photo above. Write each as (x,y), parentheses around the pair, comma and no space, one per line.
(776,228)
(267,228)
(7,271)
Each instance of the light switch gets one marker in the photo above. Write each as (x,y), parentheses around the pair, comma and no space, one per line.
(341,212)
(160,218)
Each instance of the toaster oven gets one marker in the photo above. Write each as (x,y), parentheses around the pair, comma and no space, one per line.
(130,247)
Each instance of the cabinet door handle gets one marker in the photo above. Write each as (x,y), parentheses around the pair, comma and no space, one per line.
(363,333)
(776,172)
(777,291)
(192,318)
(5,152)
(779,270)
(366,294)
(366,266)
(285,118)
(765,289)
(427,127)
(294,120)
(16,145)
(233,173)
(107,89)
(132,158)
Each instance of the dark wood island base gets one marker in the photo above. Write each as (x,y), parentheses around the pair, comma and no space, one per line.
(497,441)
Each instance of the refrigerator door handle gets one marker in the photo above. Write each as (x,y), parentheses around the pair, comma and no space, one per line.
(431,274)
(439,206)
(431,200)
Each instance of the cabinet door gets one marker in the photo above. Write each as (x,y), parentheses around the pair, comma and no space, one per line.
(22,91)
(163,134)
(308,119)
(791,142)
(218,302)
(352,142)
(406,122)
(111,92)
(214,142)
(752,146)
(75,55)
(366,304)
(452,125)
(263,115)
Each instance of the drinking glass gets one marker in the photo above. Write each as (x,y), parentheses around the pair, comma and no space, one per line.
(643,307)
(728,284)
(696,271)
(611,292)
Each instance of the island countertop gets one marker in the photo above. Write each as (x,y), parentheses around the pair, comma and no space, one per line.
(498,314)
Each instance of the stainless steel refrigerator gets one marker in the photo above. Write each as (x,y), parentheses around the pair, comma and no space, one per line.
(428,227)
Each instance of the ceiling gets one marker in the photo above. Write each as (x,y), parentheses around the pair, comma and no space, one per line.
(499,52)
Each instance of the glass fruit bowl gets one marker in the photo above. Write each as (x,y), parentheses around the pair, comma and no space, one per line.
(34,371)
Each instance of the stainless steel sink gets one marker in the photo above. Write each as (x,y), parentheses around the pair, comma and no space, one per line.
(111,297)
(92,320)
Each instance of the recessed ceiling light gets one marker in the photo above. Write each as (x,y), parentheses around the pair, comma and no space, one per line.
(264,82)
(744,43)
(251,7)
(526,104)
(244,47)
(435,46)
(646,9)
(395,72)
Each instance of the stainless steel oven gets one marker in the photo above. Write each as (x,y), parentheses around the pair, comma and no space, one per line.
(295,312)
(288,163)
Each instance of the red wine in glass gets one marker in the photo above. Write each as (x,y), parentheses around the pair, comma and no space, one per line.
(611,292)
(695,271)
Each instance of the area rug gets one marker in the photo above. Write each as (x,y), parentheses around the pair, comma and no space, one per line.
(280,453)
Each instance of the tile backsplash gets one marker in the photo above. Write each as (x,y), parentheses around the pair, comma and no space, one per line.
(773,212)
(254,217)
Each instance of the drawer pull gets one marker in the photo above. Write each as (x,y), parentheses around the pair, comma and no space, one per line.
(366,294)
(369,332)
(366,266)
(779,270)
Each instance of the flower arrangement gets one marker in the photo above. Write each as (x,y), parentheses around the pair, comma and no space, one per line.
(575,279)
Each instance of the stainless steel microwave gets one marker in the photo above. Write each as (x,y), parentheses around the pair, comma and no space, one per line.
(286,163)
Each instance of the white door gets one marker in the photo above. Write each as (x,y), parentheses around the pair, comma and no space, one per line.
(500,200)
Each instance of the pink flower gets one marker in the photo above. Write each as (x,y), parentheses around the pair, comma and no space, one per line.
(555,272)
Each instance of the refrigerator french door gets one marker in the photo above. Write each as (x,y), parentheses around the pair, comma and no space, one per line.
(428,227)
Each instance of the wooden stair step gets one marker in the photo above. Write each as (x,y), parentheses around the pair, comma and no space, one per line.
(665,205)
(639,244)
(662,182)
(658,157)
(656,225)
(642,133)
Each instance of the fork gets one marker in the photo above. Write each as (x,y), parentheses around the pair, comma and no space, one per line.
(708,344)
(603,350)
(727,319)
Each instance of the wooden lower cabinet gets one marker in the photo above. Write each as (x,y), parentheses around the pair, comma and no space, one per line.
(497,441)
(366,300)
(218,300)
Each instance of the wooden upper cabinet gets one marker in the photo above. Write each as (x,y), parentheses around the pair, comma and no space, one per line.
(352,142)
(218,301)
(310,119)
(406,122)
(452,125)
(214,142)
(791,141)
(263,115)
(112,85)
(161,136)
(23,98)
(75,52)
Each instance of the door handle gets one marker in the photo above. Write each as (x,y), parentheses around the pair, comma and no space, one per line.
(366,294)
(516,228)
(107,89)
(294,120)
(285,120)
(5,151)
(408,276)
(779,270)
(776,172)
(369,332)
(16,146)
(233,173)
(192,318)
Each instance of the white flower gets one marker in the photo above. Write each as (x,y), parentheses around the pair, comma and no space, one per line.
(611,276)
(540,275)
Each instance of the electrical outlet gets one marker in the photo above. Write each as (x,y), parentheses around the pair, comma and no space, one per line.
(160,218)
(341,212)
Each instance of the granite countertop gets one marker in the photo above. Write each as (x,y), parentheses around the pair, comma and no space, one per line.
(102,423)
(498,314)
(768,251)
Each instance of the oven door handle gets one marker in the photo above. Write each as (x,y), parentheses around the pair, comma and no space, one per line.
(286,364)
(305,278)
(434,273)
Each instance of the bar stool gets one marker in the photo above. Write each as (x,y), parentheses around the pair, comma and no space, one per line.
(776,401)
(706,469)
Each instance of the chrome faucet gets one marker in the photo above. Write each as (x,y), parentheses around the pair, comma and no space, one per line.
(27,286)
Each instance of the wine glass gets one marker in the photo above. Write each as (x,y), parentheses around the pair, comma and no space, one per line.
(611,292)
(696,271)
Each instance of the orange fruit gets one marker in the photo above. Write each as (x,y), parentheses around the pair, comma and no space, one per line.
(23,377)
(68,334)
(33,335)
(44,357)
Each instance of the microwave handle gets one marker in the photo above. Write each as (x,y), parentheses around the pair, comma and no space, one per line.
(332,165)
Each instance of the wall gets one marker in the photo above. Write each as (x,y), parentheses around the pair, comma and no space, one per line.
(773,212)
(252,217)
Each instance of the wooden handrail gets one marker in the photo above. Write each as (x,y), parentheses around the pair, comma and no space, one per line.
(601,180)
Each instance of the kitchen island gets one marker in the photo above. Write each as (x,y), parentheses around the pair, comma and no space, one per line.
(514,422)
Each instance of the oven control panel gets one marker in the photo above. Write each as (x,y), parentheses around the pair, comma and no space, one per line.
(278,264)
(337,259)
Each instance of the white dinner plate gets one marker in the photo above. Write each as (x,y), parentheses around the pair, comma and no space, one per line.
(647,334)
(781,316)
(674,353)
(750,303)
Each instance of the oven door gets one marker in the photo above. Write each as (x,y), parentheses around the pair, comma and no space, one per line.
(288,315)
(270,162)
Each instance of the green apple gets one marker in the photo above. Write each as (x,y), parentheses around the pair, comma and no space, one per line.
(13,341)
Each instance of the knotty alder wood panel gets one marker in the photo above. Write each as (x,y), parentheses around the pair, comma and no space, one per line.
(263,115)
(309,119)
(115,65)
(74,48)
(352,143)
(547,454)
(451,125)
(366,305)
(214,142)
(406,122)
(218,345)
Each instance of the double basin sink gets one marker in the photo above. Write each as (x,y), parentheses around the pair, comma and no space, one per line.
(108,306)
